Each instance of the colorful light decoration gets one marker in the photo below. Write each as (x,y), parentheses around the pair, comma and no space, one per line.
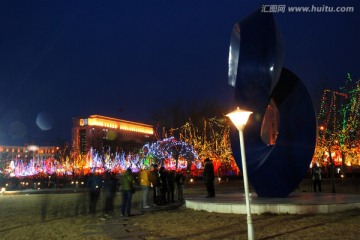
(211,142)
(159,152)
(165,152)
(339,125)
(192,146)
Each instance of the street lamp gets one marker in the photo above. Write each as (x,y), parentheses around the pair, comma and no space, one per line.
(332,171)
(239,117)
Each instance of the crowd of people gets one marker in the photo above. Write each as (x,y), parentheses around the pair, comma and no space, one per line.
(158,187)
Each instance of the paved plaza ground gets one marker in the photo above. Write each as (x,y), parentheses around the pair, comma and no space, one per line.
(64,216)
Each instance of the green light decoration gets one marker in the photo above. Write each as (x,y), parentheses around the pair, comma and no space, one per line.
(338,120)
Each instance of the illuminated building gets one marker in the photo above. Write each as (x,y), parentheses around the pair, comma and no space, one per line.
(98,131)
(27,152)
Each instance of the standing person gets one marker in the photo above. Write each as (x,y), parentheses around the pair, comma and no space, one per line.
(155,181)
(209,176)
(171,185)
(93,184)
(126,186)
(179,180)
(145,186)
(164,184)
(316,176)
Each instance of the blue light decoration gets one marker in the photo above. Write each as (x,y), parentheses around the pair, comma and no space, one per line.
(171,153)
(260,82)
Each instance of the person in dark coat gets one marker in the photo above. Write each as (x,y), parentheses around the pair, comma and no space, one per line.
(163,174)
(93,185)
(171,185)
(156,184)
(316,176)
(110,184)
(209,176)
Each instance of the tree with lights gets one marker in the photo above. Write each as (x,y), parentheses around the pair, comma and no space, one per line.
(212,141)
(171,153)
(339,127)
(206,129)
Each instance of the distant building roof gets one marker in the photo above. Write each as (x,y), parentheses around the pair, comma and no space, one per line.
(115,123)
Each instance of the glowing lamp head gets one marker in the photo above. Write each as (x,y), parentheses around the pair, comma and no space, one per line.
(239,117)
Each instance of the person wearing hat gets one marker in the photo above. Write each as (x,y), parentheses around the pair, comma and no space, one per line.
(209,177)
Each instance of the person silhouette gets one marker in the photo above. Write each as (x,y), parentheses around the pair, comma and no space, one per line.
(316,176)
(93,185)
(209,176)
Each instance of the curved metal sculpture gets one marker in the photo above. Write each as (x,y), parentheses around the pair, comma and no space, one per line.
(256,72)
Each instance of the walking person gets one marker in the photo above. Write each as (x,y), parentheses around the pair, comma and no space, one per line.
(126,185)
(209,176)
(316,176)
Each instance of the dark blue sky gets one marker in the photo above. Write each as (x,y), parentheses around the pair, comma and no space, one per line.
(62,59)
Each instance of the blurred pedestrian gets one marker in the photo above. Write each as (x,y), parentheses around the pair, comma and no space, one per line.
(209,176)
(316,177)
(109,190)
(145,186)
(126,185)
(179,180)
(155,182)
(93,185)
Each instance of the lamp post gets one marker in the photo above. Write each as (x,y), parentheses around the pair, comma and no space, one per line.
(239,117)
(332,171)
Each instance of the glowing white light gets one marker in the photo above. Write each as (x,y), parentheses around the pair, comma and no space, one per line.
(239,117)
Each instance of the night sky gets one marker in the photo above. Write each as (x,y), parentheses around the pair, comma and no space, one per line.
(128,59)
